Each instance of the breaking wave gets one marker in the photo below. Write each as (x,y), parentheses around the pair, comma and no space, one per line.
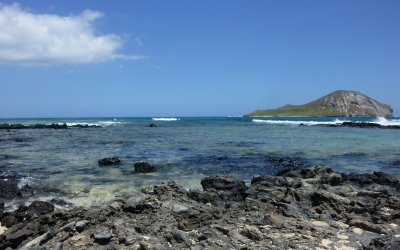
(296,123)
(380,120)
(166,119)
(387,122)
(99,123)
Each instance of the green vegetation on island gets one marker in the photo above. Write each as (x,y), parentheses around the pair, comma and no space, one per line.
(338,103)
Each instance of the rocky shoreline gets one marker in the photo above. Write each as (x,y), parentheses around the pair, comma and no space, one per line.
(300,208)
(45,126)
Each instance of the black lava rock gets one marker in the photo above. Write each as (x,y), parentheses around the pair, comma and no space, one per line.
(10,187)
(109,161)
(226,187)
(144,167)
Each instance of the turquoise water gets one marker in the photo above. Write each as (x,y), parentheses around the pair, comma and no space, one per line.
(64,162)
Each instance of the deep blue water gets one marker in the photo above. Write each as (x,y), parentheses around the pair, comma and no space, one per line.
(64,162)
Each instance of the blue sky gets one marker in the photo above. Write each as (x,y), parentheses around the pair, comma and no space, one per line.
(192,58)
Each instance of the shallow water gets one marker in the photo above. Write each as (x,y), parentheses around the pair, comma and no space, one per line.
(64,162)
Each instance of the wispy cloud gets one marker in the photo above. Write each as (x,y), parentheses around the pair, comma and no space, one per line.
(43,39)
(139,41)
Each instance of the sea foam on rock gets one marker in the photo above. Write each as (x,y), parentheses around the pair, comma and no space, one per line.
(301,208)
(12,186)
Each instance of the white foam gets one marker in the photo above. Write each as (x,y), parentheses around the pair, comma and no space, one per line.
(99,123)
(166,119)
(25,181)
(380,120)
(108,123)
(386,122)
(69,124)
(296,123)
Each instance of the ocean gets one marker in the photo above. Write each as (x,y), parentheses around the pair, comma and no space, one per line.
(64,163)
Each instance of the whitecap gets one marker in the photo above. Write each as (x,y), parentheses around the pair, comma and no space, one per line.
(296,123)
(70,124)
(99,123)
(386,122)
(108,123)
(166,119)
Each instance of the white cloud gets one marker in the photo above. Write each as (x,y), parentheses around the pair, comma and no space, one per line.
(42,39)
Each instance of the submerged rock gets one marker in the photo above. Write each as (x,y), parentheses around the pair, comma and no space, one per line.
(152,125)
(109,161)
(144,167)
(222,158)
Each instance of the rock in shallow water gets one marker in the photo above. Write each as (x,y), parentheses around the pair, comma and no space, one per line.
(144,167)
(109,161)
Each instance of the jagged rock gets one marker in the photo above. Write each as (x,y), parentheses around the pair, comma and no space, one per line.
(366,226)
(144,167)
(252,232)
(377,177)
(16,238)
(109,161)
(300,209)
(9,220)
(40,208)
(226,187)
(194,217)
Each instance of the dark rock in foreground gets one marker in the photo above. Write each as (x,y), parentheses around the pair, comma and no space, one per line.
(144,167)
(11,186)
(109,161)
(45,126)
(152,125)
(313,208)
(225,187)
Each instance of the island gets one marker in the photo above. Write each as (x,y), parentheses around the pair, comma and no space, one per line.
(341,103)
